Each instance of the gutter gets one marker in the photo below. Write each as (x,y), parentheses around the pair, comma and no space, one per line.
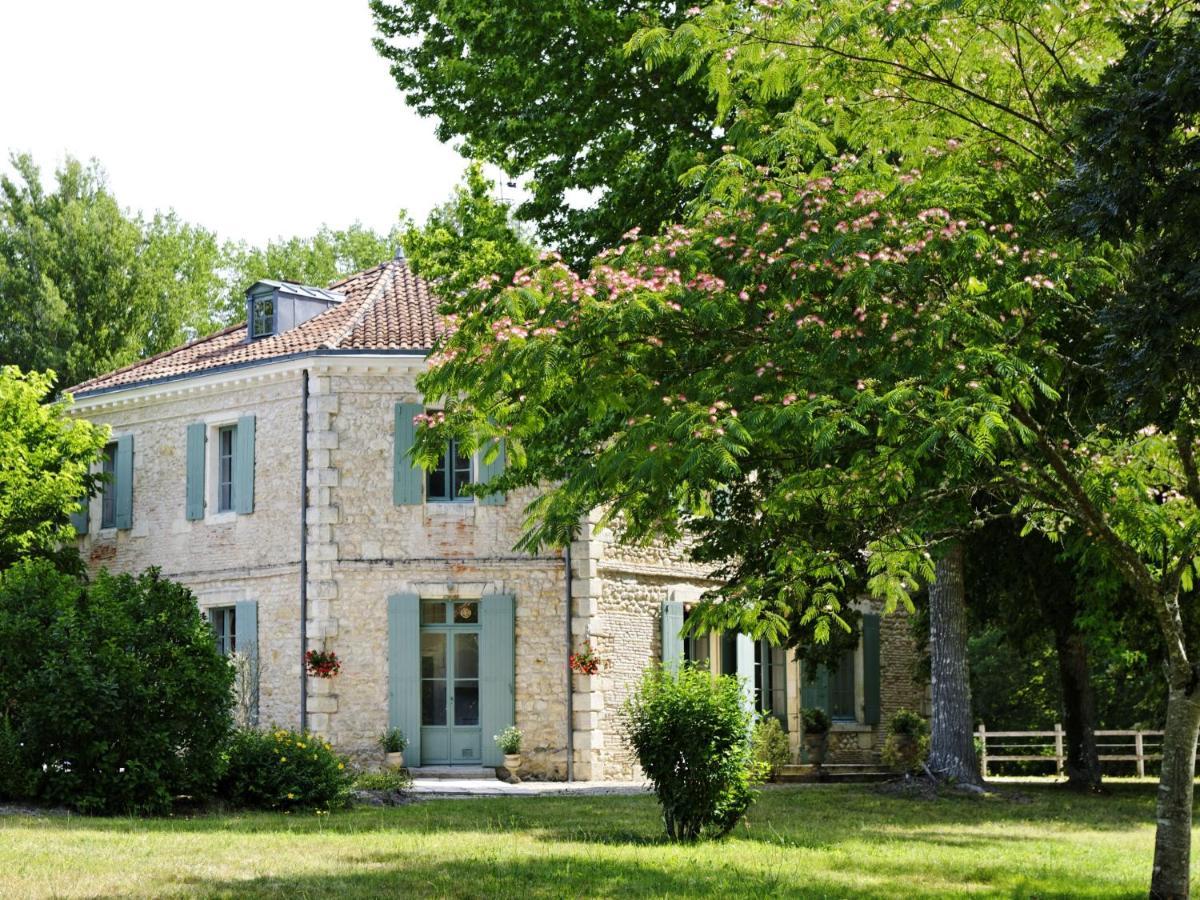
(303,549)
(570,649)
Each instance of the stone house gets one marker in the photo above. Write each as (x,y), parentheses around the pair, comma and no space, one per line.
(266,467)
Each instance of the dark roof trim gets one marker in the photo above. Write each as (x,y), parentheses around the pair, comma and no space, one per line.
(250,364)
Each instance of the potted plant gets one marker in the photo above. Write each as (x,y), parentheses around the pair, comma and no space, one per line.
(585,660)
(509,742)
(816,734)
(322,663)
(393,743)
(907,741)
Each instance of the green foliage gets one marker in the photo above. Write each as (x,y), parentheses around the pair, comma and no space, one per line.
(509,740)
(815,720)
(769,744)
(284,770)
(907,743)
(393,741)
(115,689)
(583,119)
(45,457)
(690,733)
(86,286)
(391,781)
(18,776)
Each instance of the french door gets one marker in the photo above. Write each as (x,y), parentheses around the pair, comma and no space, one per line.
(450,686)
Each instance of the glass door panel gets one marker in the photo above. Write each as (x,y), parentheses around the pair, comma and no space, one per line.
(466,679)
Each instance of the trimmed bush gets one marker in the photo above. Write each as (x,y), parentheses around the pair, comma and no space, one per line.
(115,692)
(391,781)
(691,734)
(770,746)
(284,770)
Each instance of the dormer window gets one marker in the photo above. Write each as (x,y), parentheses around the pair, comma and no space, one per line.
(262,322)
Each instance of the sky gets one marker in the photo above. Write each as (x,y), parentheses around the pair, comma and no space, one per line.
(254,118)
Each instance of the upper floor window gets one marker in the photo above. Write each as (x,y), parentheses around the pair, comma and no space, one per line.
(108,494)
(262,323)
(226,437)
(452,474)
(223,620)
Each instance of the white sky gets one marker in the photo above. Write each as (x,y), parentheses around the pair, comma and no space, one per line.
(257,118)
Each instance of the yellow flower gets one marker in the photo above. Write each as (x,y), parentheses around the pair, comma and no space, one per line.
(340,765)
(291,796)
(283,759)
(300,744)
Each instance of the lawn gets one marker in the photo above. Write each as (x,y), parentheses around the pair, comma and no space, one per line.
(799,841)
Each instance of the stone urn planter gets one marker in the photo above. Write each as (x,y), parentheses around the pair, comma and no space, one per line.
(394,760)
(817,746)
(512,762)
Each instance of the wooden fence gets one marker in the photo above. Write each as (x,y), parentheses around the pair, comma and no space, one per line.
(1047,746)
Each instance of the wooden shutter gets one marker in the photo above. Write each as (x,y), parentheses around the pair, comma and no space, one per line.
(79,518)
(246,630)
(407,478)
(243,466)
(871,668)
(497,671)
(196,436)
(404,670)
(672,643)
(124,479)
(490,470)
(814,693)
(745,666)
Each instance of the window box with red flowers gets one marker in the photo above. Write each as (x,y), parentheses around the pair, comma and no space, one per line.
(322,663)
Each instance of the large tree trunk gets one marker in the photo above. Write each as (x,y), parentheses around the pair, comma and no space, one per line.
(952,741)
(1173,839)
(1079,706)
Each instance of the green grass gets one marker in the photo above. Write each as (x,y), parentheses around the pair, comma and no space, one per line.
(1027,841)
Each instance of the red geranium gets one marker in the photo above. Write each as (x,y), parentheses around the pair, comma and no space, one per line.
(322,663)
(585,661)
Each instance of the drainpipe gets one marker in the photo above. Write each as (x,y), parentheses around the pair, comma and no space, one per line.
(303,549)
(570,650)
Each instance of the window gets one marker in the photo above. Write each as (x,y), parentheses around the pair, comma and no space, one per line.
(108,496)
(695,646)
(842,705)
(223,620)
(729,653)
(225,442)
(770,680)
(263,322)
(452,474)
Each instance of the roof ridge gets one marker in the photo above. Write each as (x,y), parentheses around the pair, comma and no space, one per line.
(361,313)
(348,278)
(162,353)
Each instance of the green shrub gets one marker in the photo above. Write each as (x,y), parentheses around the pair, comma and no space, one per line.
(18,779)
(389,780)
(770,746)
(690,733)
(815,720)
(284,770)
(393,741)
(115,690)
(907,743)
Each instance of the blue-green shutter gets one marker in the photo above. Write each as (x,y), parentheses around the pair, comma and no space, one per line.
(490,470)
(672,625)
(79,518)
(246,629)
(243,466)
(871,668)
(745,667)
(497,672)
(407,478)
(196,436)
(124,479)
(814,692)
(404,670)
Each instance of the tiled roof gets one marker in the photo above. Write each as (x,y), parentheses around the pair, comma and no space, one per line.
(386,308)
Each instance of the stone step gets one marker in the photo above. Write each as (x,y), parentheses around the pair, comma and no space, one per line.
(836,772)
(453,773)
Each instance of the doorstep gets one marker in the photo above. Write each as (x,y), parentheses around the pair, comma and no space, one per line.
(435,788)
(455,773)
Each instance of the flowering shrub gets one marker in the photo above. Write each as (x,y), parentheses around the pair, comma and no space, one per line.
(509,740)
(585,661)
(284,770)
(322,663)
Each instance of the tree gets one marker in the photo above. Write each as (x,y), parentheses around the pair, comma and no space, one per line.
(84,285)
(319,260)
(548,91)
(45,461)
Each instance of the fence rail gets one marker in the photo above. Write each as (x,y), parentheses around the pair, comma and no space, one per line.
(1046,746)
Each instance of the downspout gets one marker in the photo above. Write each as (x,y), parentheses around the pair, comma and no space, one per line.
(303,549)
(570,650)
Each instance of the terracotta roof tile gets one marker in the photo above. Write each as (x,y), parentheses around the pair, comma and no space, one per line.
(386,308)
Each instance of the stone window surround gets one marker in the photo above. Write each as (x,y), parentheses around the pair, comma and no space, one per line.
(95,504)
(212,465)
